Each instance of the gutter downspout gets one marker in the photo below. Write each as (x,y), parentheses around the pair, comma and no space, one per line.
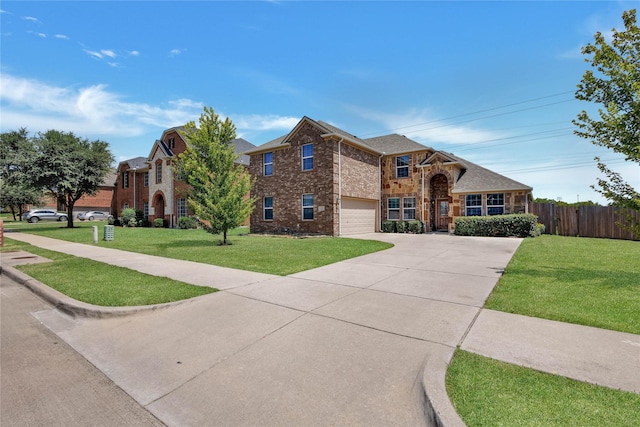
(340,187)
(379,225)
(422,204)
(134,188)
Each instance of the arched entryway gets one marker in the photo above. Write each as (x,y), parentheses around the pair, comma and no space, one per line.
(439,197)
(158,206)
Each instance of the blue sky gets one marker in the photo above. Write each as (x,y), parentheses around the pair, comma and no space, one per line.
(492,82)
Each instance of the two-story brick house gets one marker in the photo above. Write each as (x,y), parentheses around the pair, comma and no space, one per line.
(321,179)
(150,185)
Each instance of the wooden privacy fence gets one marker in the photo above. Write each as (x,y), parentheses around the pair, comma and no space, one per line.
(584,221)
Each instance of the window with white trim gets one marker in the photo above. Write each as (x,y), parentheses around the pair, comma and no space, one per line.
(495,203)
(125,179)
(402,167)
(393,208)
(409,208)
(307,206)
(307,157)
(159,172)
(125,206)
(146,179)
(145,209)
(267,206)
(473,204)
(267,161)
(182,207)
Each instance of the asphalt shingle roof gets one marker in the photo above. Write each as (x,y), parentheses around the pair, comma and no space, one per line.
(478,179)
(394,144)
(241,146)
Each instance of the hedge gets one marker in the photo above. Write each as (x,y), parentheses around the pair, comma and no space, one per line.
(414,226)
(520,225)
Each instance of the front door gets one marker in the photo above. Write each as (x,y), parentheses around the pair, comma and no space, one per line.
(443,214)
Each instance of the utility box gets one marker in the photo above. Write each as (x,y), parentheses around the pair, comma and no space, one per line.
(108,232)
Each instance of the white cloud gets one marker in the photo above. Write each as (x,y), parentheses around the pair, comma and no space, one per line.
(91,110)
(31,19)
(134,53)
(422,126)
(108,52)
(43,35)
(62,37)
(93,53)
(257,122)
(174,52)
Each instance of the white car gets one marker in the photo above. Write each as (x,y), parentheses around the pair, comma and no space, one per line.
(91,215)
(35,215)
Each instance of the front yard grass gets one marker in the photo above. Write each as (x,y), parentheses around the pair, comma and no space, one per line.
(102,284)
(487,392)
(263,254)
(593,282)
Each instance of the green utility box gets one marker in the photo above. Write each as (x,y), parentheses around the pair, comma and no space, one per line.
(108,232)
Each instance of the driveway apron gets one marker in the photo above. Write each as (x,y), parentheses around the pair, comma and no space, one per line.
(340,344)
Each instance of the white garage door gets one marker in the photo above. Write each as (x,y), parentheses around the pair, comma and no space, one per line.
(358,216)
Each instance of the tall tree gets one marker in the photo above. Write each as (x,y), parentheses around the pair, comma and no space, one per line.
(15,191)
(68,167)
(219,193)
(614,83)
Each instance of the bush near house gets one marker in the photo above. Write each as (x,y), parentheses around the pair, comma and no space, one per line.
(414,227)
(519,225)
(158,223)
(187,222)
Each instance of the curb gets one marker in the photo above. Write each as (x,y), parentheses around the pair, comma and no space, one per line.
(438,408)
(74,307)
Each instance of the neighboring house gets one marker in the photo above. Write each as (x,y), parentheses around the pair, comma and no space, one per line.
(101,201)
(150,185)
(321,179)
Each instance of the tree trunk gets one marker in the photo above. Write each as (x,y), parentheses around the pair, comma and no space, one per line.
(224,237)
(70,204)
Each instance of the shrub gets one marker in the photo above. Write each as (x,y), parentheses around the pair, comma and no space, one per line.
(388,226)
(521,225)
(158,222)
(414,226)
(128,217)
(186,222)
(401,226)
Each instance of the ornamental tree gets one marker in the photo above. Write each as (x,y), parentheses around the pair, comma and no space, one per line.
(613,82)
(219,187)
(67,167)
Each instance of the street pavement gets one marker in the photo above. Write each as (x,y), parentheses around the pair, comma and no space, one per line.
(361,342)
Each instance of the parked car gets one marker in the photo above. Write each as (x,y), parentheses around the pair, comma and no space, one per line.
(35,215)
(91,215)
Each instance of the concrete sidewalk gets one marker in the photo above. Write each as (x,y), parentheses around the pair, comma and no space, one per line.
(364,341)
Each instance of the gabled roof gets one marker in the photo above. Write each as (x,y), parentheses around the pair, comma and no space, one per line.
(241,146)
(395,144)
(135,163)
(445,158)
(110,178)
(475,178)
(176,129)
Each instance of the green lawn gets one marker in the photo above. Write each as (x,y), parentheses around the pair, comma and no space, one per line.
(487,392)
(264,254)
(102,284)
(594,282)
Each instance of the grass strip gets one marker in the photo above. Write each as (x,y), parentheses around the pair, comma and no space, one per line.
(103,284)
(264,254)
(593,282)
(487,392)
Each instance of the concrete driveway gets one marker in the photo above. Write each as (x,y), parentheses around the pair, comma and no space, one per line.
(341,344)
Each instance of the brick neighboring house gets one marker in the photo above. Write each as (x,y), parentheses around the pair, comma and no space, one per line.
(149,184)
(101,201)
(321,179)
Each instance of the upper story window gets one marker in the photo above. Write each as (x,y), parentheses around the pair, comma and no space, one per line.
(172,143)
(393,208)
(267,161)
(473,203)
(307,157)
(402,167)
(495,204)
(409,208)
(307,206)
(146,179)
(125,179)
(268,208)
(159,172)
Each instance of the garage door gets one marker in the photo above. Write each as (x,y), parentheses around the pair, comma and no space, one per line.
(358,216)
